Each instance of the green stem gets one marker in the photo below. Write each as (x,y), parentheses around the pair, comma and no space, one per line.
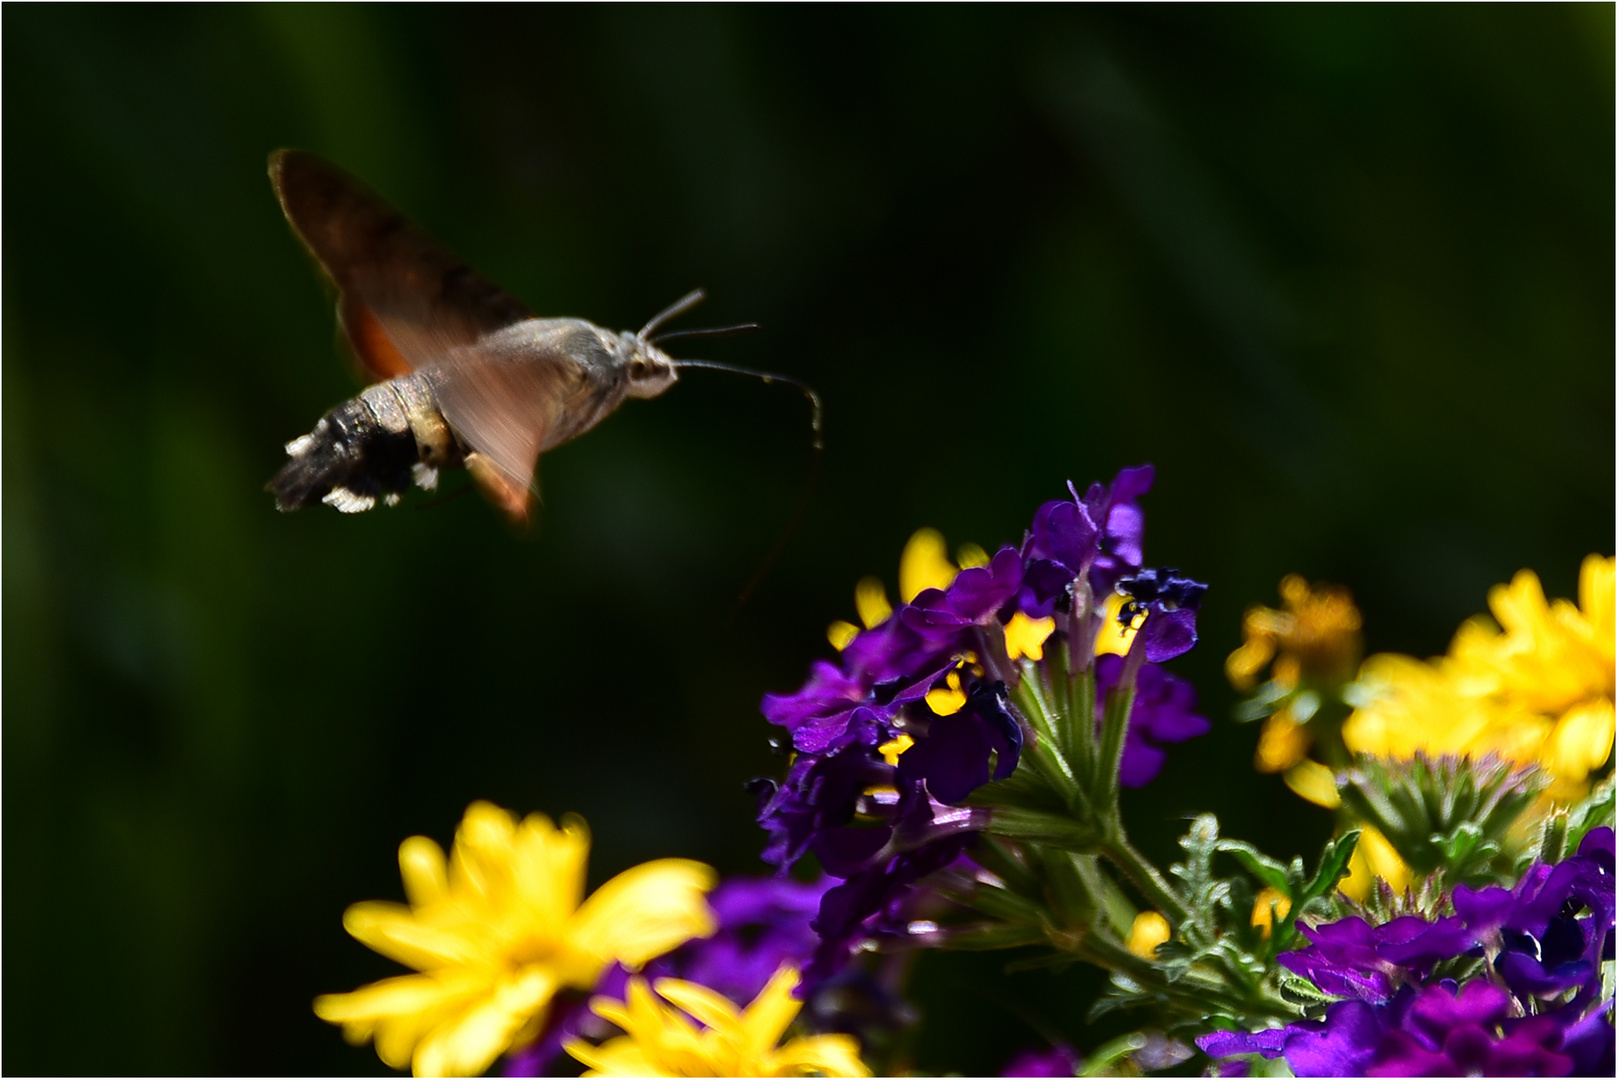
(1157,891)
(1114,726)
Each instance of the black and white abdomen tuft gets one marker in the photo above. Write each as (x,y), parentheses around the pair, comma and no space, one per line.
(368,449)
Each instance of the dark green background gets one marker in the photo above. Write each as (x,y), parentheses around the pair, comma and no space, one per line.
(1344,274)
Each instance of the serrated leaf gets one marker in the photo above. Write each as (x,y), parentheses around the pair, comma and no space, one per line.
(1333,865)
(1300,991)
(1258,864)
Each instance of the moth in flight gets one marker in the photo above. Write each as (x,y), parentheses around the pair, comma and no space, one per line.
(468,376)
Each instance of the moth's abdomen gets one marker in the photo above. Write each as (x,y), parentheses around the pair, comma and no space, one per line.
(369,448)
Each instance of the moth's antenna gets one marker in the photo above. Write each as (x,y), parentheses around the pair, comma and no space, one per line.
(768,377)
(707,332)
(674,310)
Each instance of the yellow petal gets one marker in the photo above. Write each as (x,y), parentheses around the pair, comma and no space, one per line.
(1374,858)
(480,859)
(821,1055)
(1026,637)
(1282,743)
(1114,638)
(892,749)
(945,700)
(1148,931)
(645,912)
(397,1012)
(840,633)
(772,1012)
(394,931)
(1313,781)
(468,1044)
(871,601)
(1243,665)
(547,868)
(971,555)
(425,873)
(1270,904)
(709,1006)
(1582,740)
(924,564)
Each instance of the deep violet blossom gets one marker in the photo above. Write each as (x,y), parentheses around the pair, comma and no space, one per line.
(1163,713)
(882,770)
(1544,939)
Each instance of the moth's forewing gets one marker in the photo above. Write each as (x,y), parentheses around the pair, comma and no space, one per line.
(405,302)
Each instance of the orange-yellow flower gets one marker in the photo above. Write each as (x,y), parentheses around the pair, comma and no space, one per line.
(1533,685)
(660,1039)
(496,931)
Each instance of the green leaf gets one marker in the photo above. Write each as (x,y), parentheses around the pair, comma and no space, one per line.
(1333,866)
(1258,864)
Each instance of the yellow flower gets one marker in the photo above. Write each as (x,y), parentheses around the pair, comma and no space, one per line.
(924,564)
(1270,904)
(949,698)
(497,931)
(1313,781)
(1114,638)
(894,748)
(1536,687)
(1026,637)
(1315,638)
(662,1041)
(1282,743)
(1146,933)
(1374,858)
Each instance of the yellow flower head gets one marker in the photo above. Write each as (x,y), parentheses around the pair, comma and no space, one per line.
(660,1039)
(1146,933)
(1316,637)
(1537,687)
(497,930)
(1270,904)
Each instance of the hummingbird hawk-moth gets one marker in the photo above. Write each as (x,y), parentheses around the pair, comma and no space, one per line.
(468,376)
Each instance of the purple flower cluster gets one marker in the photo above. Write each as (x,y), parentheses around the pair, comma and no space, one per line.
(1534,1011)
(880,814)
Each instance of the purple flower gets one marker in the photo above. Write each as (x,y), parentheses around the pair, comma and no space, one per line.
(1539,1014)
(1163,713)
(877,788)
(1446,1032)
(1550,933)
(1098,535)
(1351,958)
(872,903)
(1170,604)
(953,760)
(1058,1060)
(1439,1030)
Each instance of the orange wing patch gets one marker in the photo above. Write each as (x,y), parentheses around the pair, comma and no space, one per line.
(372,346)
(499,488)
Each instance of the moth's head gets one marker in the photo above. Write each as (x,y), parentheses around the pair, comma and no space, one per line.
(648,369)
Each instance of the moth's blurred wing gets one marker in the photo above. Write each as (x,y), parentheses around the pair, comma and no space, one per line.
(503,410)
(404,302)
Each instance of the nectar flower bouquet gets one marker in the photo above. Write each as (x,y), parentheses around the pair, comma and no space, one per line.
(954,784)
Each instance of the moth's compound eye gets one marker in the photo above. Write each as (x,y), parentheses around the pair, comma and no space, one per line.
(637,368)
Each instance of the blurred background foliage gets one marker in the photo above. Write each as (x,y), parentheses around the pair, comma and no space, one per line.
(1345,274)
